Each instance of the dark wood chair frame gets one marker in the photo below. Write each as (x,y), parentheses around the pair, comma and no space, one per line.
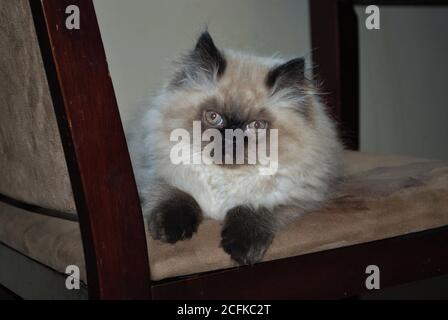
(106,195)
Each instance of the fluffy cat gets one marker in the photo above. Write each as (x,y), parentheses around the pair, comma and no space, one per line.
(246,92)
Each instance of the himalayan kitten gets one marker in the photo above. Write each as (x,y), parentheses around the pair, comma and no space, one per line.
(222,89)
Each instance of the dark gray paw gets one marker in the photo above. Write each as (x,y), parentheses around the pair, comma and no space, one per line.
(175,219)
(247,234)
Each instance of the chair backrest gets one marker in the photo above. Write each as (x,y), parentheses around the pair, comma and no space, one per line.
(334,42)
(32,163)
(62,144)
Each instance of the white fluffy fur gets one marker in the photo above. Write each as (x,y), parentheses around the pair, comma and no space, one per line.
(301,181)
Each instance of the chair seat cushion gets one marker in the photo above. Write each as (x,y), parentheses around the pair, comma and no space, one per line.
(378,197)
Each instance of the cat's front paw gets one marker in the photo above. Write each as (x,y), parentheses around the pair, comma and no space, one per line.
(247,234)
(175,219)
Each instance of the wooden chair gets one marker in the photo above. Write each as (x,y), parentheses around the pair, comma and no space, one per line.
(91,187)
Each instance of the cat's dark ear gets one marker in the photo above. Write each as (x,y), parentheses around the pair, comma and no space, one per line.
(207,55)
(204,61)
(286,75)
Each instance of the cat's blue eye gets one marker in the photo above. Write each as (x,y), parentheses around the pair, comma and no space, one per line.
(257,125)
(214,119)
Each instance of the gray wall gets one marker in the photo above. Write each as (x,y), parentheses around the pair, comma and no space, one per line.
(142,37)
(404,86)
(403,65)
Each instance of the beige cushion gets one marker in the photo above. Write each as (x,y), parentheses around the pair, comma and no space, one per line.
(380,197)
(375,204)
(32,163)
(51,241)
